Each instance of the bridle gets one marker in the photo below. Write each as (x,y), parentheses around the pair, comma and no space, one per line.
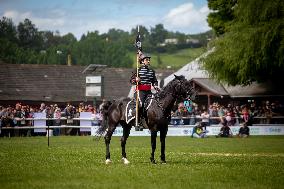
(175,94)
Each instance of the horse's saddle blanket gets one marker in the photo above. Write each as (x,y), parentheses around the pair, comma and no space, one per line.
(130,112)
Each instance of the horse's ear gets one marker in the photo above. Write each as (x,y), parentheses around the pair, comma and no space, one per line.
(179,77)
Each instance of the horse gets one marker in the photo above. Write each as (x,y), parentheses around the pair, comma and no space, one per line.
(157,116)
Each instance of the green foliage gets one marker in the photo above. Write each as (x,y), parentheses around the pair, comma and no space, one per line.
(8,29)
(28,35)
(255,162)
(25,44)
(252,50)
(222,15)
(158,34)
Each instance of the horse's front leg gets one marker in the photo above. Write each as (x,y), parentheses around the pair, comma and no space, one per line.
(163,135)
(126,131)
(107,142)
(153,144)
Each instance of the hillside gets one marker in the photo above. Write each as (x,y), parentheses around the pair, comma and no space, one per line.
(174,60)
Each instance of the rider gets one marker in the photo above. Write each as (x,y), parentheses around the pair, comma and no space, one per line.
(146,78)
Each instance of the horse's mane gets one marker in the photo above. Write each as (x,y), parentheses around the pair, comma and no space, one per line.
(170,86)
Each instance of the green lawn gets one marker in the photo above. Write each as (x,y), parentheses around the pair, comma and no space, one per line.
(175,60)
(78,162)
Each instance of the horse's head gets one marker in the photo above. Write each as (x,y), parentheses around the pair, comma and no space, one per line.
(182,88)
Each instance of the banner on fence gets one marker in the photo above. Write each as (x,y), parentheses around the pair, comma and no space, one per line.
(39,122)
(212,130)
(85,115)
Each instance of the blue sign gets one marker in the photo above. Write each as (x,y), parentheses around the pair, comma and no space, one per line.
(188,105)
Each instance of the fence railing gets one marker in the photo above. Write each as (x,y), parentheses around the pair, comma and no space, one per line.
(175,121)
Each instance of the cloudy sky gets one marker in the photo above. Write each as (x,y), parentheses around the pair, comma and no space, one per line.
(81,16)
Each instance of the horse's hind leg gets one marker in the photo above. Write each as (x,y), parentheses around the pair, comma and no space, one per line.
(126,131)
(107,142)
(153,144)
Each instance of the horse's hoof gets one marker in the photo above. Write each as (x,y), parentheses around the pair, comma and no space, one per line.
(152,160)
(108,161)
(125,161)
(163,162)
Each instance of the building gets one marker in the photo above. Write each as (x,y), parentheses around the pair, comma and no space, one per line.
(209,90)
(34,83)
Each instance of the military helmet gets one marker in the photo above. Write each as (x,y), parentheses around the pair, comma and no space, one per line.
(143,56)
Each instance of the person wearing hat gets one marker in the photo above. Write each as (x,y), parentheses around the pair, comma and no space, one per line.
(146,79)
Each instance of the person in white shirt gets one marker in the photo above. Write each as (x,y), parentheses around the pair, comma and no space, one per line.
(204,119)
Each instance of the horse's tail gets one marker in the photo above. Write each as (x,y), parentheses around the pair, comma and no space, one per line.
(101,130)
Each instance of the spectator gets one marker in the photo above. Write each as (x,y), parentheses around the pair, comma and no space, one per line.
(225,131)
(20,116)
(204,119)
(7,121)
(229,119)
(42,108)
(268,114)
(245,114)
(180,112)
(97,116)
(244,131)
(81,107)
(198,132)
(30,115)
(57,121)
(214,115)
(69,114)
(193,114)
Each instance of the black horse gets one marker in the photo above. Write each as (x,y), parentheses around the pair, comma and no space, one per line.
(157,116)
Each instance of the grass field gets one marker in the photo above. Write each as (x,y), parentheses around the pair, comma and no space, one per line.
(78,162)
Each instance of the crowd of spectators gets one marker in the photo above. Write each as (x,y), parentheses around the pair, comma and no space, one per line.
(265,112)
(19,115)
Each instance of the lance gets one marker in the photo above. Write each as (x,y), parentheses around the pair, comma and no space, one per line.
(138,45)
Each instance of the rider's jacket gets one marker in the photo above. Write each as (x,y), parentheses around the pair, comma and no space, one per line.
(147,78)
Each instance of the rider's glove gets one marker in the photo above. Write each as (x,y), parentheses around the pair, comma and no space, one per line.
(157,88)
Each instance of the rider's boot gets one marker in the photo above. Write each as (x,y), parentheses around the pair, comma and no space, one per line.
(140,125)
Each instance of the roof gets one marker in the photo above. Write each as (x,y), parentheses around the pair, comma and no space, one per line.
(190,70)
(59,83)
(256,90)
(211,85)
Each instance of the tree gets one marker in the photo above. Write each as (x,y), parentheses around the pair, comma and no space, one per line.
(95,49)
(158,34)
(28,35)
(252,47)
(222,16)
(8,29)
(68,39)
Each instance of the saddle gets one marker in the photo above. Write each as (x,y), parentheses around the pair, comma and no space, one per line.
(130,112)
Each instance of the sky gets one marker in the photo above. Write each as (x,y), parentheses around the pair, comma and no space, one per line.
(80,16)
